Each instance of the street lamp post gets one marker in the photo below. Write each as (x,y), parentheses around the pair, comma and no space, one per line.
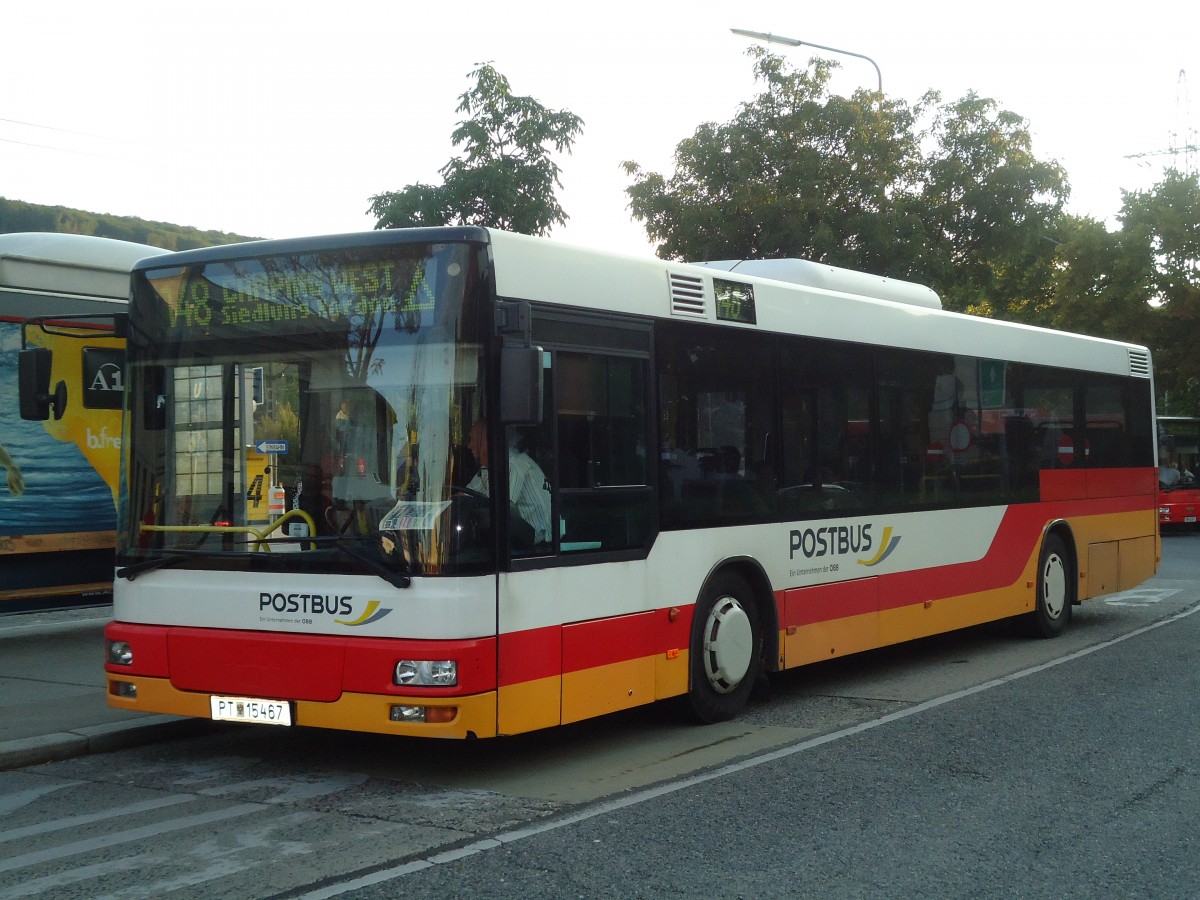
(792,42)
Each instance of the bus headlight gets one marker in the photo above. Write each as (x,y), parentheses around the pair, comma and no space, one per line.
(426,673)
(120,653)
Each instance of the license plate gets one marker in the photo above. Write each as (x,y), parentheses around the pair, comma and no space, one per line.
(1189,519)
(248,709)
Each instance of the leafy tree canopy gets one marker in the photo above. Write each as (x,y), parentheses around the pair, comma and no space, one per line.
(988,209)
(1161,228)
(505,176)
(947,194)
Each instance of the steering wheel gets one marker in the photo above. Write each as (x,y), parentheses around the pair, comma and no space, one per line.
(470,492)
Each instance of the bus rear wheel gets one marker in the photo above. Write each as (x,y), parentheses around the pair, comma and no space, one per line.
(726,650)
(1055,590)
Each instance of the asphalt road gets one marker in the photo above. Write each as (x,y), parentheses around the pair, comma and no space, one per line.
(973,765)
(1079,779)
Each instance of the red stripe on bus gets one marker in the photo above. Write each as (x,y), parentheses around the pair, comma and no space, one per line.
(1016,539)
(529,655)
(558,649)
(604,641)
(1001,566)
(823,602)
(1076,484)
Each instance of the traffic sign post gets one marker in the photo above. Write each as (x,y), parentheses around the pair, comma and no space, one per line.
(275,491)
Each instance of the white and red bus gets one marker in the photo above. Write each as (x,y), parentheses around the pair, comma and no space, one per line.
(528,483)
(1179,458)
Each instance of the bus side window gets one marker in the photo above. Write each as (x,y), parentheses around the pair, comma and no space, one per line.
(603,465)
(718,442)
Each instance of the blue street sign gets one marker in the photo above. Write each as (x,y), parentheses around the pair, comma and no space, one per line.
(271,446)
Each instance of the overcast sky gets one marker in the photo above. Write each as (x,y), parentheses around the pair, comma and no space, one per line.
(278,119)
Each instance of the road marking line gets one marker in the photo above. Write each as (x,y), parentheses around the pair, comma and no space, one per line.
(124,837)
(16,834)
(15,801)
(653,793)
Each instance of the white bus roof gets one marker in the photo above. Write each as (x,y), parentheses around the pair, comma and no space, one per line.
(71,265)
(800,298)
(807,273)
(842,309)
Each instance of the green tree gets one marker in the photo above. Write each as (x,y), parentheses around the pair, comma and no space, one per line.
(1162,228)
(795,173)
(505,177)
(988,208)
(1099,284)
(960,204)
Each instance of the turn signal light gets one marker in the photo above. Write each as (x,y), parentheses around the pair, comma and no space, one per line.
(438,715)
(126,689)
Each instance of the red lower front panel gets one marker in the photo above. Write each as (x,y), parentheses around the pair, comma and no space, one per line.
(291,666)
(1179,507)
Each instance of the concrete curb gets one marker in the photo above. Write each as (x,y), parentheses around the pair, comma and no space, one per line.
(95,739)
(37,627)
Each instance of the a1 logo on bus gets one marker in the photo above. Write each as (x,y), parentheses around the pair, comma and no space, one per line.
(103,377)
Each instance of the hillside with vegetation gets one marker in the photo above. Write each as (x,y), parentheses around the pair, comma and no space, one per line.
(16,215)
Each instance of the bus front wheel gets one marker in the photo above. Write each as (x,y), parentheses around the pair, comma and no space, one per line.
(726,650)
(1055,590)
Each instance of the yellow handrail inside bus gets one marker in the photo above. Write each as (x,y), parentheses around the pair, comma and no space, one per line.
(259,534)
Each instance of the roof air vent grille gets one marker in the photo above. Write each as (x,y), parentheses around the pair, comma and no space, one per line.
(687,295)
(1139,363)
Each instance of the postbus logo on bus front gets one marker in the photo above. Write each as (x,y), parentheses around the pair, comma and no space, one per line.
(322,605)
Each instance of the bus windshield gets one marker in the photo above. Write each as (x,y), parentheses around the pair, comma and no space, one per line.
(316,406)
(1178,452)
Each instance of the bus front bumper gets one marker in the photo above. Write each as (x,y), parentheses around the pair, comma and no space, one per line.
(467,716)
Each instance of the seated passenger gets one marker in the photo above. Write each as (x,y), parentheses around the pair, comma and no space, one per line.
(1168,476)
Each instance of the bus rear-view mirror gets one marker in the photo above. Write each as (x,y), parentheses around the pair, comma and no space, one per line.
(33,386)
(521,385)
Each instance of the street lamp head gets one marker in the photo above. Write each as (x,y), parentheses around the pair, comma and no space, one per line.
(793,42)
(770,38)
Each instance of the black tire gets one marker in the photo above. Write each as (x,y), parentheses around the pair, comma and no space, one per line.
(1055,590)
(726,650)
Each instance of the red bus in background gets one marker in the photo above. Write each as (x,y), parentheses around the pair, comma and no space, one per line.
(1179,490)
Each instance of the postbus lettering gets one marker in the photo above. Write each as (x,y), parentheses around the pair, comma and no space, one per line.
(831,540)
(316,604)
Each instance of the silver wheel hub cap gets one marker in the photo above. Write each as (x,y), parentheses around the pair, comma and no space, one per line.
(728,645)
(1054,586)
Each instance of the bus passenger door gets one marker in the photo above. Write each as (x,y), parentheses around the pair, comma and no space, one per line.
(529,633)
(529,654)
(575,629)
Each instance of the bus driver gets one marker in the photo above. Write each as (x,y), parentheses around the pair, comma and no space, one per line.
(528,489)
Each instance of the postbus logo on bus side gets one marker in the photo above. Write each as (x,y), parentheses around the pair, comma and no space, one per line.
(836,541)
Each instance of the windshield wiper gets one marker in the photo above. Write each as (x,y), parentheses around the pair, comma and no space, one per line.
(400,578)
(170,557)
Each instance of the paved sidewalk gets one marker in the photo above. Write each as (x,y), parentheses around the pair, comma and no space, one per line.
(52,703)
